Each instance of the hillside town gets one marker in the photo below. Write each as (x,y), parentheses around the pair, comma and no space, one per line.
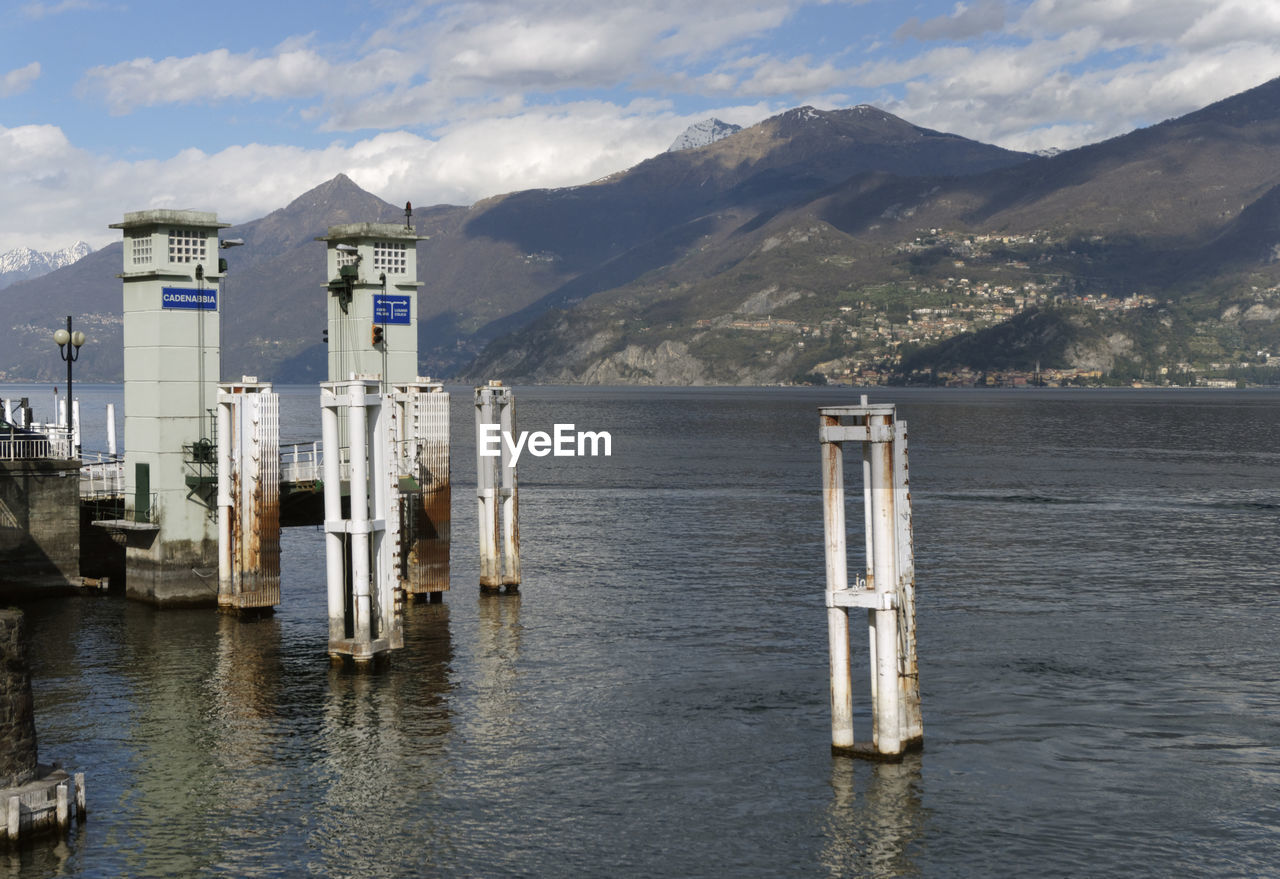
(878,325)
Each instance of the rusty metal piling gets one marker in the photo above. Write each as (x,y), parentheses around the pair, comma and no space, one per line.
(248,471)
(496,488)
(888,590)
(421,411)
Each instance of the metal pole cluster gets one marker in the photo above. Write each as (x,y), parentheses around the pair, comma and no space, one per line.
(887,591)
(362,577)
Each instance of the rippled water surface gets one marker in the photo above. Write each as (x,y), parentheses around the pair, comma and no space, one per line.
(1099,581)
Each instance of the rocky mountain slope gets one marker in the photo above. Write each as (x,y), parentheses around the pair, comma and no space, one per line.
(1181,220)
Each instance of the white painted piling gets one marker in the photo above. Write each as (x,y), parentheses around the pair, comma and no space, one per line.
(497,500)
(63,808)
(510,499)
(14,824)
(358,524)
(335,534)
(111,429)
(384,510)
(226,502)
(837,581)
(362,577)
(887,593)
(81,810)
(486,495)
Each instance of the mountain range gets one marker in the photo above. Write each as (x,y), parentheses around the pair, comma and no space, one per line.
(828,243)
(23,263)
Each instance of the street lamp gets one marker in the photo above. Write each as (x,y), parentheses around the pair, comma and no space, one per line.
(69,347)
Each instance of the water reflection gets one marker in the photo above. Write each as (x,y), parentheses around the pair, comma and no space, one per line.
(380,757)
(245,689)
(497,653)
(875,818)
(175,778)
(42,858)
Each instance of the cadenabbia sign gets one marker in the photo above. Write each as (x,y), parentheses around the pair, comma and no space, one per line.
(186,297)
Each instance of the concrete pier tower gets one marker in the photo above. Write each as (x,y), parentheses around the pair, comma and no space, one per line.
(373,308)
(171,370)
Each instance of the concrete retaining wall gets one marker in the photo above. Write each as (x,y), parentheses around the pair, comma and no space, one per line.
(39,525)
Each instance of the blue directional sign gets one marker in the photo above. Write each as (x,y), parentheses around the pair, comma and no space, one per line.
(390,309)
(186,297)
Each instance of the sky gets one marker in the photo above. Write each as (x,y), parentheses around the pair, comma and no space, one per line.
(237,107)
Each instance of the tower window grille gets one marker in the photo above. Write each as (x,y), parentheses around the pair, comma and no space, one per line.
(140,250)
(389,257)
(186,245)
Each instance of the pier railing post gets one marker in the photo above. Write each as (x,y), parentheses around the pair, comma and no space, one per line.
(887,593)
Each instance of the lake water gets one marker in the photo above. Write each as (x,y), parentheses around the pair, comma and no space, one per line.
(1098,585)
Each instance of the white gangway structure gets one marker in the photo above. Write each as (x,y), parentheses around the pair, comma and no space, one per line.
(886,592)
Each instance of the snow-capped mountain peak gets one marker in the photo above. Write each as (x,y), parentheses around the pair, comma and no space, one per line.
(702,133)
(23,263)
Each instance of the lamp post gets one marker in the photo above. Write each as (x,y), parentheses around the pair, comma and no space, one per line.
(69,347)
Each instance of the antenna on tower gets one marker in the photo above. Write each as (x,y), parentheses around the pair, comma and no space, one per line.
(408,214)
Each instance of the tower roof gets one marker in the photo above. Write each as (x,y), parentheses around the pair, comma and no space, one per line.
(169,217)
(348,231)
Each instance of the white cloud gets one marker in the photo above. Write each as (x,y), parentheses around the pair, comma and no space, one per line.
(1234,21)
(1070,72)
(63,193)
(1087,107)
(428,68)
(793,76)
(964,22)
(44,10)
(16,82)
(208,76)
(1139,22)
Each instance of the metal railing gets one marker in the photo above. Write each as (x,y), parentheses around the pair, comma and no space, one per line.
(304,462)
(101,475)
(39,441)
(150,514)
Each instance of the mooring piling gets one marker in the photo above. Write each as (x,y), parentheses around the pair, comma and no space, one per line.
(248,472)
(496,489)
(888,590)
(362,577)
(422,444)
